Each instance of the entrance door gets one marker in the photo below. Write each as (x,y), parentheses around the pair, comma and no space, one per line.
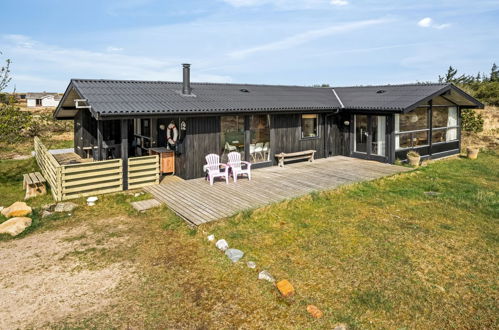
(370,137)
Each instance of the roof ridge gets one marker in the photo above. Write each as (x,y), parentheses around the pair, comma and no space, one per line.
(193,83)
(396,85)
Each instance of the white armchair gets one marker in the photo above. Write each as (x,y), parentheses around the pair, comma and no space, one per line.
(212,168)
(236,165)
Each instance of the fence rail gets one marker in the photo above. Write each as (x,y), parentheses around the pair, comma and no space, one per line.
(94,178)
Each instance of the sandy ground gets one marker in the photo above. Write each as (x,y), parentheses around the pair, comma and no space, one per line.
(41,280)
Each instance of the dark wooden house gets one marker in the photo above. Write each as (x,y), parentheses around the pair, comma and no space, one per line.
(120,119)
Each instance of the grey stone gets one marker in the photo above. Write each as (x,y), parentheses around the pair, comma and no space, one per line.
(222,244)
(48,207)
(265,275)
(340,327)
(46,213)
(251,264)
(65,207)
(234,254)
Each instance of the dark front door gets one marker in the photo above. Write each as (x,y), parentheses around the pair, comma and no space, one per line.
(369,137)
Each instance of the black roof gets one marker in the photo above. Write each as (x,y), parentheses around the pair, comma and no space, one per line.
(112,98)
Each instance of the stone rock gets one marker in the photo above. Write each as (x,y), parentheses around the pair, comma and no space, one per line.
(265,275)
(211,238)
(251,264)
(18,209)
(1,208)
(340,326)
(46,213)
(91,200)
(65,207)
(48,207)
(314,311)
(15,226)
(222,244)
(285,288)
(234,254)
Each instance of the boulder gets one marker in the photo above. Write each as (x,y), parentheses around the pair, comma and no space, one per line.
(285,288)
(65,207)
(18,209)
(46,213)
(15,226)
(234,254)
(251,264)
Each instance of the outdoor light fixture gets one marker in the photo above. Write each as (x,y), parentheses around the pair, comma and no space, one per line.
(162,127)
(346,122)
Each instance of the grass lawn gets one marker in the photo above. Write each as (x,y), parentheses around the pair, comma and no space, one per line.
(381,254)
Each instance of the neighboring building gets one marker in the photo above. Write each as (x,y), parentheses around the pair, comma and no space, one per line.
(42,99)
(120,119)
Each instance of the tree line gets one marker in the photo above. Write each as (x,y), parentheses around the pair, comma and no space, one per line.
(483,86)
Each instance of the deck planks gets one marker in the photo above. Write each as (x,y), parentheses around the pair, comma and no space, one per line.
(197,202)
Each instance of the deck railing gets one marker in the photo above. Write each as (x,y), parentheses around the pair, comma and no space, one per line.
(94,178)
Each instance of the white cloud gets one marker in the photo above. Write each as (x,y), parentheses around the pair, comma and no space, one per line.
(428,22)
(304,37)
(49,67)
(339,2)
(114,49)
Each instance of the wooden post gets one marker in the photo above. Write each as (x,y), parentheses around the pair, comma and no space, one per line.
(124,151)
(99,140)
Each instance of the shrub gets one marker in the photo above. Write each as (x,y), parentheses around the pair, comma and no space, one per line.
(471,121)
(14,123)
(413,153)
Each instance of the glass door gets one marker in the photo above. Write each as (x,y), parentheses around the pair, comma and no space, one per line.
(361,133)
(370,136)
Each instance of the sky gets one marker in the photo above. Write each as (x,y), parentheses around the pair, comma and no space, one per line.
(288,42)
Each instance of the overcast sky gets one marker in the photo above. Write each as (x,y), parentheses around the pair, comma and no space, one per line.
(339,42)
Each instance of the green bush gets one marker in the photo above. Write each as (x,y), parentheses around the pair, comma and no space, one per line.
(14,123)
(471,121)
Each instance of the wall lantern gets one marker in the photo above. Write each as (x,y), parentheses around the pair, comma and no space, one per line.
(183,125)
(414,118)
(346,122)
(162,127)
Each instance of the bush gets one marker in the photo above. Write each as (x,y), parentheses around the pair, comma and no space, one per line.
(14,123)
(471,121)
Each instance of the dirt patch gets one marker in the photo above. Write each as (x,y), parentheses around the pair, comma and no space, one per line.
(43,278)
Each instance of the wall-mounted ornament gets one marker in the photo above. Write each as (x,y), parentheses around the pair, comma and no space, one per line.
(162,127)
(183,125)
(346,122)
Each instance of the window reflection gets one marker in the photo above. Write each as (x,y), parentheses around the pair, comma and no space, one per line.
(232,135)
(259,148)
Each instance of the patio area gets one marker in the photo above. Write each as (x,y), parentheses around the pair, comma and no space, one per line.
(197,202)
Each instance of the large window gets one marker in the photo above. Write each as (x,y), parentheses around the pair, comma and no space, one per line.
(412,129)
(259,147)
(444,124)
(309,126)
(232,135)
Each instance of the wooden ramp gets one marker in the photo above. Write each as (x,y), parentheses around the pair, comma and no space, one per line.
(198,202)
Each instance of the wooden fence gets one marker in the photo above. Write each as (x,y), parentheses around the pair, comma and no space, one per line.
(94,178)
(50,168)
(143,171)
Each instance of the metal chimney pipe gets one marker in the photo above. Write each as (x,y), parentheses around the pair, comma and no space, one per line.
(186,84)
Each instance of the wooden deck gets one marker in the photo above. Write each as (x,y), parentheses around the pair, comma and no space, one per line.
(198,202)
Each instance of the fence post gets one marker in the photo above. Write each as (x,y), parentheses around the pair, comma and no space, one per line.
(59,183)
(124,152)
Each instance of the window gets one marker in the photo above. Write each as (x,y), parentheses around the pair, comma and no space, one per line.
(444,124)
(412,129)
(309,126)
(38,102)
(260,138)
(232,135)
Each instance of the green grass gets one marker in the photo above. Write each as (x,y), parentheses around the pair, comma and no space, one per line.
(381,254)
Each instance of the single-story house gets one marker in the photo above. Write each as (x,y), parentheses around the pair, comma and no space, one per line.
(42,99)
(121,119)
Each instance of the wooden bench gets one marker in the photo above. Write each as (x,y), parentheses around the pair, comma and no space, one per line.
(307,154)
(34,183)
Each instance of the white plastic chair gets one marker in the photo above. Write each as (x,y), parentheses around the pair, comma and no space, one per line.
(236,163)
(266,150)
(259,149)
(252,151)
(212,168)
(229,147)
